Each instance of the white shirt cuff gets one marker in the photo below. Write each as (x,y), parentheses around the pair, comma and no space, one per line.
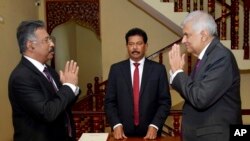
(172,75)
(117,125)
(74,88)
(154,126)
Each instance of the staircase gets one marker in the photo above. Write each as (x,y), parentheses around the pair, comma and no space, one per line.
(164,12)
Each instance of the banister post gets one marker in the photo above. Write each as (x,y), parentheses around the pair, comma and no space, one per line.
(246,29)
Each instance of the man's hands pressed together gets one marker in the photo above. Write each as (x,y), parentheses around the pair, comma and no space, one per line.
(70,73)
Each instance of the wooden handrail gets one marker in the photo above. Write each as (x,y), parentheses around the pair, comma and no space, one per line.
(163,49)
(245,111)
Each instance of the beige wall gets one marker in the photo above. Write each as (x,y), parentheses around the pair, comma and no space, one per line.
(13,11)
(65,44)
(88,56)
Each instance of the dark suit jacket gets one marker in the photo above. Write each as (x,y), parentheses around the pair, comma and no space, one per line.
(212,98)
(38,112)
(155,100)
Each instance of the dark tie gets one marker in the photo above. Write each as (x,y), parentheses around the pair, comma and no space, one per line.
(197,65)
(50,79)
(136,90)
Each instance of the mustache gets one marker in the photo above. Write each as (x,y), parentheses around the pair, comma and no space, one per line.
(52,50)
(137,52)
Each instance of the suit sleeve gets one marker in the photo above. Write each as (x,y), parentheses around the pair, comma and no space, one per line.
(164,99)
(110,99)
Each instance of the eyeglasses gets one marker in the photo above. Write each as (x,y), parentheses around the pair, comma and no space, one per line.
(48,40)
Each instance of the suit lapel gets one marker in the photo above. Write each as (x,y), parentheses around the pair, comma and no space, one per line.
(204,59)
(126,72)
(147,68)
(29,65)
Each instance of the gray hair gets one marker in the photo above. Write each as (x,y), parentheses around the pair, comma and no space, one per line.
(26,31)
(201,20)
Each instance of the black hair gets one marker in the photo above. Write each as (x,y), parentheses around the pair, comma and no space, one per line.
(136,31)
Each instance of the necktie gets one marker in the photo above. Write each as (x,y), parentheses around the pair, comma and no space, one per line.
(136,93)
(50,79)
(197,65)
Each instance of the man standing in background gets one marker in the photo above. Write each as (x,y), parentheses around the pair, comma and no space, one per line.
(137,101)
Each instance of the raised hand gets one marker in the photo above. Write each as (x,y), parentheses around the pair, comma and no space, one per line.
(176,60)
(70,73)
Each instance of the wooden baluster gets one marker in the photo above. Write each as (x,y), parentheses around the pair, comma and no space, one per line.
(201,4)
(188,6)
(176,124)
(223,23)
(246,29)
(87,124)
(218,28)
(98,124)
(234,24)
(233,16)
(96,85)
(89,89)
(195,5)
(180,8)
(99,102)
(77,121)
(175,5)
(97,91)
(91,103)
(211,7)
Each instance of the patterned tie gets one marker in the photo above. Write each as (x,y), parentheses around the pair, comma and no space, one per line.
(50,79)
(136,93)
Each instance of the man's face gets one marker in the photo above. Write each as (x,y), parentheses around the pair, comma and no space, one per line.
(192,39)
(136,47)
(43,46)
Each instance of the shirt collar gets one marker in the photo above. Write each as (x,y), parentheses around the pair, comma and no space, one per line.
(141,61)
(203,52)
(37,64)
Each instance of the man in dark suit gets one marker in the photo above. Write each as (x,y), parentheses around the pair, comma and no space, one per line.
(137,110)
(212,91)
(41,101)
